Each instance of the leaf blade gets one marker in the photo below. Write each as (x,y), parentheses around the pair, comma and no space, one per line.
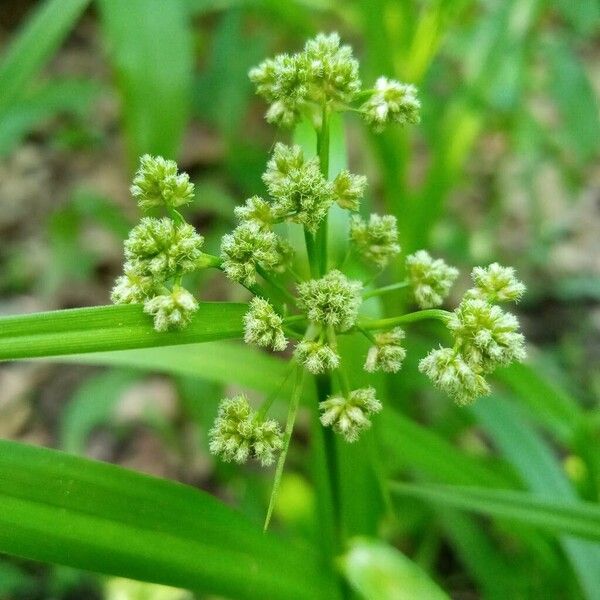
(63,509)
(99,328)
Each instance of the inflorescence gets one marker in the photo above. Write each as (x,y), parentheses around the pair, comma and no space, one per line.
(321,79)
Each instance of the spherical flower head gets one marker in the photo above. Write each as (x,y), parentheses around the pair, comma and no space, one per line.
(316,357)
(377,239)
(430,279)
(157,183)
(331,70)
(451,373)
(231,435)
(496,284)
(267,441)
(248,247)
(387,354)
(162,248)
(300,191)
(332,301)
(391,102)
(171,311)
(133,287)
(256,210)
(263,326)
(350,416)
(348,190)
(486,335)
(281,81)
(239,434)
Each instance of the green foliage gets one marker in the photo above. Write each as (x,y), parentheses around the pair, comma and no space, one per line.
(118,522)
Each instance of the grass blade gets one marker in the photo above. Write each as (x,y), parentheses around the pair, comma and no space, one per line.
(89,515)
(152,53)
(210,360)
(109,328)
(35,45)
(577,518)
(538,469)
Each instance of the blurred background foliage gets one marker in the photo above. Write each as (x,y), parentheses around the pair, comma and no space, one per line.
(505,166)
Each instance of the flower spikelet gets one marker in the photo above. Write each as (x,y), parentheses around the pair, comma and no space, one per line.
(263,326)
(281,81)
(430,279)
(248,247)
(450,372)
(333,300)
(348,189)
(387,354)
(486,335)
(238,433)
(496,284)
(161,248)
(173,310)
(267,441)
(316,357)
(350,416)
(391,102)
(255,210)
(231,435)
(300,191)
(157,183)
(377,239)
(331,70)
(133,287)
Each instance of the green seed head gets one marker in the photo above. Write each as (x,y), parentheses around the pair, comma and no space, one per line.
(430,279)
(263,326)
(350,416)
(391,102)
(375,240)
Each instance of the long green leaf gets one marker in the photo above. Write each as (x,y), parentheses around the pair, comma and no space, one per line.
(538,469)
(89,515)
(577,518)
(109,328)
(35,44)
(210,361)
(152,53)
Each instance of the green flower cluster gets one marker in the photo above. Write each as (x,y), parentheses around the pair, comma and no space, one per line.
(239,434)
(160,251)
(298,84)
(485,336)
(376,240)
(324,76)
(430,279)
(349,416)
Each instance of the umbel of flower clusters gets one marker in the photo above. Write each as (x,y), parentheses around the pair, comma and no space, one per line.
(312,84)
(160,251)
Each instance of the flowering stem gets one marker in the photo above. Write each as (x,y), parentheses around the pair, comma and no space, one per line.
(311,251)
(289,428)
(281,291)
(420,315)
(323,152)
(388,288)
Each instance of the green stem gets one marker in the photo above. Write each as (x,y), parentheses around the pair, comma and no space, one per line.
(420,315)
(283,293)
(289,428)
(386,289)
(323,153)
(311,252)
(268,402)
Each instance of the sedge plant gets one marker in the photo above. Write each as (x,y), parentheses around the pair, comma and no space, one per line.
(303,299)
